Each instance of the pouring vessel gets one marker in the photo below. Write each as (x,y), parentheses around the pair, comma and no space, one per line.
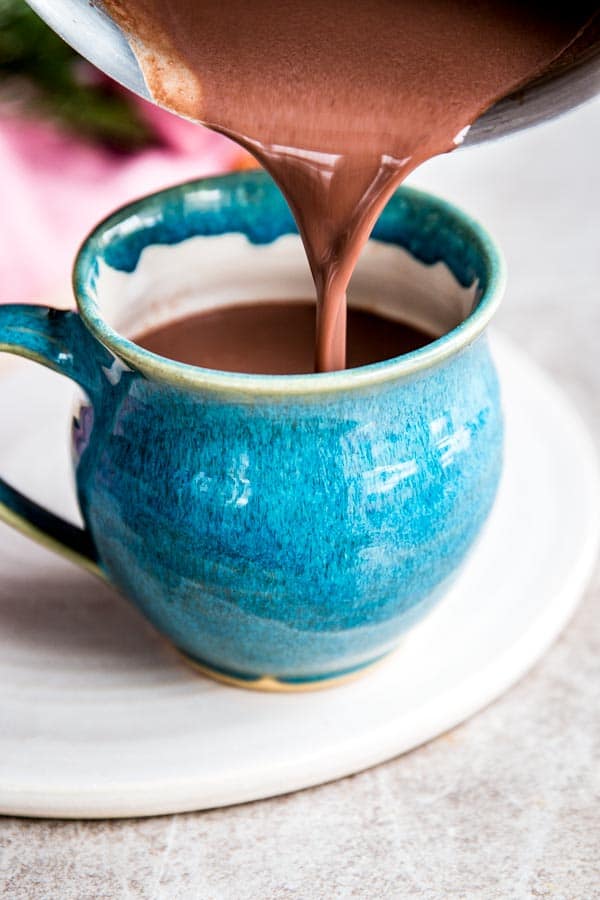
(573,80)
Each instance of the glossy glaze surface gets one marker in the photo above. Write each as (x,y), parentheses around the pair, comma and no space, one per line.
(291,536)
(102,718)
(291,533)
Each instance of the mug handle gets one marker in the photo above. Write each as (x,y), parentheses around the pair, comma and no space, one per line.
(58,340)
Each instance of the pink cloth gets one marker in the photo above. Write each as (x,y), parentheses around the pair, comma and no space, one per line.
(54,188)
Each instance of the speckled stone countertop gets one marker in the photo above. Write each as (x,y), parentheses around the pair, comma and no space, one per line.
(507,805)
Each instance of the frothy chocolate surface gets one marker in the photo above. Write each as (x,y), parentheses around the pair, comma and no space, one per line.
(340,100)
(271,338)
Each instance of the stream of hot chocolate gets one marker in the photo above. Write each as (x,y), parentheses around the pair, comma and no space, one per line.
(339,99)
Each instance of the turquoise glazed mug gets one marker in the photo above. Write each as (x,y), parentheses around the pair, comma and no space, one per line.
(281,531)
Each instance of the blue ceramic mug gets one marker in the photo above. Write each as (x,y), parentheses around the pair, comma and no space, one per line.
(281,531)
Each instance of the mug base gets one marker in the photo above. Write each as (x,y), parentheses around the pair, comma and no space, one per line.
(272,684)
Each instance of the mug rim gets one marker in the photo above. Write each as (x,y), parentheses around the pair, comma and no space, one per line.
(185,375)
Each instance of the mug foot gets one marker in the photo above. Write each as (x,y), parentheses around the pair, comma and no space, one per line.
(271,684)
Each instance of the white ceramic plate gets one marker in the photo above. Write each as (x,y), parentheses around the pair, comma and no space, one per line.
(99,717)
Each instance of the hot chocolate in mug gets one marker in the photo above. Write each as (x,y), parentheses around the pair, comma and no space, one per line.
(282,531)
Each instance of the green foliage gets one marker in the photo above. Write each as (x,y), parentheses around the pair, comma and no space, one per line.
(44,76)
